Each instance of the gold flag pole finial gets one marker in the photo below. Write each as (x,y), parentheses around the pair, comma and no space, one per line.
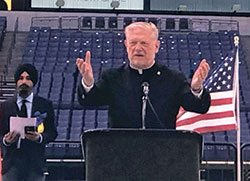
(236,40)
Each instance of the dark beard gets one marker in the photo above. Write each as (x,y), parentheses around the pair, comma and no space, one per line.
(24,90)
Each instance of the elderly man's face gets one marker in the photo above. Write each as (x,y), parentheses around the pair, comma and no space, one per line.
(24,85)
(141,47)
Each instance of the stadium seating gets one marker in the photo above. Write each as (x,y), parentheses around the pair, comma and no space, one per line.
(53,52)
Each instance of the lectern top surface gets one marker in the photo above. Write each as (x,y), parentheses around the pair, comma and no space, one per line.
(148,131)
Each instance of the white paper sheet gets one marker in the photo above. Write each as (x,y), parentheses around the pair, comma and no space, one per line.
(18,123)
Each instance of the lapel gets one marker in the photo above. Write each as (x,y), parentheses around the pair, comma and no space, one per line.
(13,108)
(34,105)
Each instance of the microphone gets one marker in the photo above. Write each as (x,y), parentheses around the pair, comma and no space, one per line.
(145,99)
(145,87)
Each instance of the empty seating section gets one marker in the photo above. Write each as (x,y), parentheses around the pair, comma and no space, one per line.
(72,122)
(3,25)
(54,51)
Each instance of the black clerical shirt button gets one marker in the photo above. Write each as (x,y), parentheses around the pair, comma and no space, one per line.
(83,96)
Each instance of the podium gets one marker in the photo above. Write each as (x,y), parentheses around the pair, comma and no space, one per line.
(142,155)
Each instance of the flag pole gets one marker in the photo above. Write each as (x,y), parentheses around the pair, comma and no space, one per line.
(236,43)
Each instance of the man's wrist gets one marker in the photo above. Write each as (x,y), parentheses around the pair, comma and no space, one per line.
(86,84)
(40,139)
(87,88)
(5,142)
(197,90)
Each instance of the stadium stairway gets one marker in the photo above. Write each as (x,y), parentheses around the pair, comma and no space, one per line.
(10,56)
(17,53)
(4,51)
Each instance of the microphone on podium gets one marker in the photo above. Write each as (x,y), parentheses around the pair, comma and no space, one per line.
(145,89)
(145,99)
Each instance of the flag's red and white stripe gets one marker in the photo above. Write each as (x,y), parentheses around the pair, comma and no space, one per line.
(221,115)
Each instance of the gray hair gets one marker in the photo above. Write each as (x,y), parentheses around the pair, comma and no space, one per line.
(147,25)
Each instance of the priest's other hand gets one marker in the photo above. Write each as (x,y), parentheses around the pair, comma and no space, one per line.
(200,75)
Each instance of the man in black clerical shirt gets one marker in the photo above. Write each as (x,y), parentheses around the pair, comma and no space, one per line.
(121,89)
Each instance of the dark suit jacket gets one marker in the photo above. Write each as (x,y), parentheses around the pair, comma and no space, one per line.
(121,90)
(30,154)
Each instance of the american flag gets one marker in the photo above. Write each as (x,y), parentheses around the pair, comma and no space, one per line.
(222,85)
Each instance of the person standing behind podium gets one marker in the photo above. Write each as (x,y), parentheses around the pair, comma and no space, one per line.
(121,89)
(23,159)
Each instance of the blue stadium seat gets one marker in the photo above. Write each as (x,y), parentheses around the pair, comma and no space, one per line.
(118,62)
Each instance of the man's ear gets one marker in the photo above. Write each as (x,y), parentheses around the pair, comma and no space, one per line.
(125,43)
(157,45)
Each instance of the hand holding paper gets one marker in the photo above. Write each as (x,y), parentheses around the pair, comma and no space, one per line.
(17,124)
(32,135)
(11,137)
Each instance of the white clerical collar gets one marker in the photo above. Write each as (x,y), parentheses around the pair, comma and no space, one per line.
(140,71)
